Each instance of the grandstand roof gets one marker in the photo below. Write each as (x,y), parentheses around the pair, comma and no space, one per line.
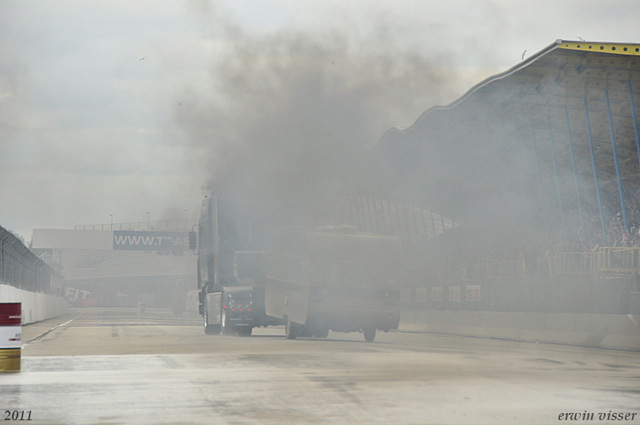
(529,124)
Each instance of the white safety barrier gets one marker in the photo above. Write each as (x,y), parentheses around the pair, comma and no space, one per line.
(35,307)
(588,330)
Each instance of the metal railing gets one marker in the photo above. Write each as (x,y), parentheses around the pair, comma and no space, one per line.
(606,261)
(168,225)
(20,268)
(574,263)
(618,260)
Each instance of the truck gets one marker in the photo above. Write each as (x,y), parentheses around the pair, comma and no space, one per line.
(334,278)
(311,281)
(230,275)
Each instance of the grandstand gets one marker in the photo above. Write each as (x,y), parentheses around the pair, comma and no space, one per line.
(537,171)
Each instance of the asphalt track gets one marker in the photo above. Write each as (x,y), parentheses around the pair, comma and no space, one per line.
(119,366)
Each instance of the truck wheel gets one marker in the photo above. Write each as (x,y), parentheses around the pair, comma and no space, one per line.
(369,334)
(209,329)
(321,333)
(291,330)
(224,323)
(245,331)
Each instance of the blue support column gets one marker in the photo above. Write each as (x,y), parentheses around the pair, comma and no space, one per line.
(441,215)
(351,212)
(522,180)
(384,217)
(491,173)
(415,222)
(364,221)
(595,169)
(615,158)
(555,171)
(424,223)
(375,213)
(511,203)
(391,227)
(633,116)
(535,155)
(378,218)
(433,222)
(368,213)
(575,171)
(399,223)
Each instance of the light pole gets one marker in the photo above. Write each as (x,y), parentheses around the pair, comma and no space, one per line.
(185,218)
(148,221)
(111,215)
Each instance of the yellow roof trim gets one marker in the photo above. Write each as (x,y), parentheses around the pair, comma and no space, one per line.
(613,48)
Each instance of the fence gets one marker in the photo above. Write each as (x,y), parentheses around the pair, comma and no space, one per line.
(574,263)
(173,224)
(607,261)
(20,268)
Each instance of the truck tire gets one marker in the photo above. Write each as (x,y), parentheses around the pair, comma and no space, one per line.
(321,333)
(369,334)
(209,329)
(224,323)
(291,329)
(245,331)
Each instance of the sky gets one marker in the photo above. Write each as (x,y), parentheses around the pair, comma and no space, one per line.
(129,111)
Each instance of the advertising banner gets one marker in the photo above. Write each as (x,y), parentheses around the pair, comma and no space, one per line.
(472,292)
(437,294)
(10,325)
(150,240)
(454,293)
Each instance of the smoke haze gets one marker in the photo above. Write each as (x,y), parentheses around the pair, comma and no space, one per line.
(289,118)
(110,111)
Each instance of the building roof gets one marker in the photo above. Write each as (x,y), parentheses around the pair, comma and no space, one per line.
(538,104)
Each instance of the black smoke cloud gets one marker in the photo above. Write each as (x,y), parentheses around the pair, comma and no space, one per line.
(288,120)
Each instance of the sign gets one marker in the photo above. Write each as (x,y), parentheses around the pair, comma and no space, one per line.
(10,325)
(454,293)
(150,241)
(436,294)
(472,292)
(88,302)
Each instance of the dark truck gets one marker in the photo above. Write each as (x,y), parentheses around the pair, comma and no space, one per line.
(230,280)
(310,281)
(332,280)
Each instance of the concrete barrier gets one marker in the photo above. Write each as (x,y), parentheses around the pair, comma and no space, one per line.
(35,307)
(588,330)
(623,331)
(534,327)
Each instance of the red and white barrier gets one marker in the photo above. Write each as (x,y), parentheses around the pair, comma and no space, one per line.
(10,337)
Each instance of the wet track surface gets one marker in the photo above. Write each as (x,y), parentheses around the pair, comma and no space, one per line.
(110,366)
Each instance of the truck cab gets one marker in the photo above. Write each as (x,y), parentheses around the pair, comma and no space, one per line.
(230,276)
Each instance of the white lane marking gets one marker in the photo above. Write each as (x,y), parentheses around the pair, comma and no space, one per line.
(51,330)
